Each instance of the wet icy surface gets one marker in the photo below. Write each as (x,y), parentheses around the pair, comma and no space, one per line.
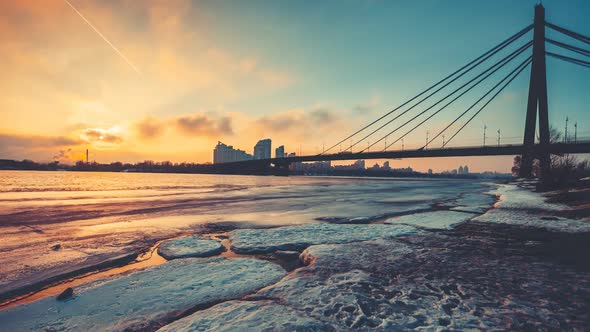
(433,220)
(190,246)
(475,202)
(147,299)
(300,237)
(477,209)
(247,316)
(520,206)
(97,217)
(455,274)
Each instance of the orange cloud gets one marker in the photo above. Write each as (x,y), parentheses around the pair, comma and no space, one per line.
(201,125)
(300,122)
(149,128)
(102,137)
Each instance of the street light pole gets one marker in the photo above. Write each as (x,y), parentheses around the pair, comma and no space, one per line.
(565,137)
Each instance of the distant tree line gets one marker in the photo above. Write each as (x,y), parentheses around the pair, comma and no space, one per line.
(144,166)
(7,164)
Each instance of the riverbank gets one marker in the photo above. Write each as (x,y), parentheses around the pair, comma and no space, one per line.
(449,267)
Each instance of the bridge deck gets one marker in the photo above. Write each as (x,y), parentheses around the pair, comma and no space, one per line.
(502,150)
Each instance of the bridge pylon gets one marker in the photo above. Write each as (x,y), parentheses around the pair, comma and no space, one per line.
(537,102)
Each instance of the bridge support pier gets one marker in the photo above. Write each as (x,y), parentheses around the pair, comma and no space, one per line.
(537,102)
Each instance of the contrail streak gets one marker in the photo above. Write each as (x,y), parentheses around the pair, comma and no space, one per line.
(103,37)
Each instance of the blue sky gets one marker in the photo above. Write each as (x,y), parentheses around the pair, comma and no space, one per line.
(348,51)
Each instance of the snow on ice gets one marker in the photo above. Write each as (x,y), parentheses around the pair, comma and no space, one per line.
(352,286)
(428,282)
(522,207)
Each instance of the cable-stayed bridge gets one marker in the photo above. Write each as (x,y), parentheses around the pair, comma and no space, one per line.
(516,54)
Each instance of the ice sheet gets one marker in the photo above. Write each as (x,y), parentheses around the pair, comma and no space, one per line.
(145,299)
(433,220)
(300,237)
(247,316)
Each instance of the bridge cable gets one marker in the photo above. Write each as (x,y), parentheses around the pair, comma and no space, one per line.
(473,86)
(485,55)
(524,63)
(517,52)
(569,59)
(489,101)
(569,47)
(570,33)
(442,108)
(500,63)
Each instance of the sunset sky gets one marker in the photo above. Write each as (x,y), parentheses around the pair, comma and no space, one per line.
(165,80)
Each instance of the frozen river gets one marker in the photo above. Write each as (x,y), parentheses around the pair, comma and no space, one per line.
(57,222)
(176,252)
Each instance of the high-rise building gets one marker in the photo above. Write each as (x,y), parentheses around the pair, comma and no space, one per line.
(463,170)
(262,149)
(226,154)
(280,152)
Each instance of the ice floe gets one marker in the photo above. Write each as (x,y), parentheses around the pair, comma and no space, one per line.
(190,246)
(522,207)
(300,237)
(247,316)
(433,220)
(146,299)
(477,209)
(474,202)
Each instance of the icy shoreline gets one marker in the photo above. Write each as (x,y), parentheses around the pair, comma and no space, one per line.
(522,207)
(354,275)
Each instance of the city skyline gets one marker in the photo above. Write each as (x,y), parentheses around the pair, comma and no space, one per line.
(223,153)
(132,81)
